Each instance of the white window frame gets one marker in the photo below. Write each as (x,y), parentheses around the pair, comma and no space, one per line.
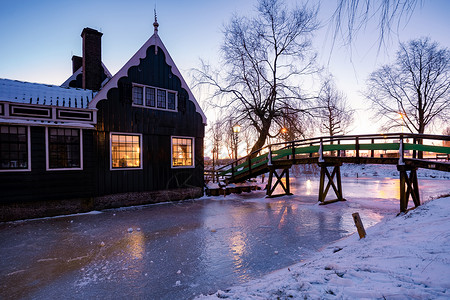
(47,151)
(28,150)
(144,102)
(143,94)
(193,152)
(140,151)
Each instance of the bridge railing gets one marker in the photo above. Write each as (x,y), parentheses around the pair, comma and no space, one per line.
(390,145)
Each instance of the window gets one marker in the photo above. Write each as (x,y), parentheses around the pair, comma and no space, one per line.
(14,151)
(182,152)
(155,98)
(161,99)
(150,97)
(126,151)
(137,95)
(171,100)
(64,148)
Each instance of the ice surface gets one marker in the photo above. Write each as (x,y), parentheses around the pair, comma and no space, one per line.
(220,242)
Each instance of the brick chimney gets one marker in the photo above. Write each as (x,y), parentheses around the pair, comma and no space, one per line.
(92,59)
(77,62)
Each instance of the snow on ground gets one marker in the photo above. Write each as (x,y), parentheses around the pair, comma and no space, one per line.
(407,257)
(404,257)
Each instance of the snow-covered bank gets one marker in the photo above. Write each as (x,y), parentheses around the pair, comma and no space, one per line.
(407,257)
(354,170)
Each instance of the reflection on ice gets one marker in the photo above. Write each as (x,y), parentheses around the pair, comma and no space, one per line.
(136,245)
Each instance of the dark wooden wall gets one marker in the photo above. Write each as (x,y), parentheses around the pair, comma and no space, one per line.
(42,185)
(116,114)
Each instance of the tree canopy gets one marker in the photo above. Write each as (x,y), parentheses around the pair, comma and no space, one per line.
(264,58)
(414,91)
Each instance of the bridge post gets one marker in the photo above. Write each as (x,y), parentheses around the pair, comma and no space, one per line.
(285,187)
(269,157)
(401,152)
(357,147)
(372,152)
(321,151)
(337,187)
(293,153)
(409,185)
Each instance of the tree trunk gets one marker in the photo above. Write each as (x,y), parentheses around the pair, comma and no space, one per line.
(261,138)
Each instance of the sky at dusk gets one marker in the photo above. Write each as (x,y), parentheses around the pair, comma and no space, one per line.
(38,38)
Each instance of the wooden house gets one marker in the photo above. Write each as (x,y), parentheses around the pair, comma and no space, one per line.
(100,141)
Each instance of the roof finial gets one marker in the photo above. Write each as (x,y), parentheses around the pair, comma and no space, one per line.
(155,24)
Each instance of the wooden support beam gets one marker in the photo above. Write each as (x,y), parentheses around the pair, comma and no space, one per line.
(279,177)
(409,186)
(337,187)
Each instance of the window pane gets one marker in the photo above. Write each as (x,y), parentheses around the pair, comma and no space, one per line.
(64,148)
(13,147)
(171,101)
(137,95)
(182,152)
(150,96)
(125,151)
(161,99)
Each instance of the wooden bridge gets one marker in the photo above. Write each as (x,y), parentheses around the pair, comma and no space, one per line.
(407,151)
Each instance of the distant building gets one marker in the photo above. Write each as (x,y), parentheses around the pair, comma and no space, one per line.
(100,141)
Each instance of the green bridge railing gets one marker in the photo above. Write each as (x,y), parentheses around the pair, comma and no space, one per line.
(390,145)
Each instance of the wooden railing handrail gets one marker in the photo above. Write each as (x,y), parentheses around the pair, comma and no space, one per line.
(326,140)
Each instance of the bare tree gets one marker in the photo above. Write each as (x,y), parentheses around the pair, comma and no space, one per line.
(216,133)
(446,131)
(351,16)
(264,58)
(415,90)
(334,114)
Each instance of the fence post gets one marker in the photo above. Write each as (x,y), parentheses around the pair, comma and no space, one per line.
(372,152)
(400,152)
(269,157)
(338,152)
(293,152)
(357,147)
(321,151)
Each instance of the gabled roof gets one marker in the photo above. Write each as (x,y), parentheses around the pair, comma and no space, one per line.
(134,61)
(44,94)
(80,70)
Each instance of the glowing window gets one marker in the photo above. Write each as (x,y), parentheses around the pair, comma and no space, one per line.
(182,152)
(126,151)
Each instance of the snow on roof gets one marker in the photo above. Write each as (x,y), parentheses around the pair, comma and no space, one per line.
(80,70)
(43,94)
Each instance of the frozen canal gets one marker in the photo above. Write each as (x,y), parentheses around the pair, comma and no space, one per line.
(180,250)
